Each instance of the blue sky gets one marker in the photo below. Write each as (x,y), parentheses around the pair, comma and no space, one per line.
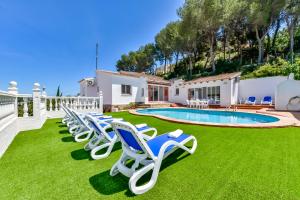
(53,41)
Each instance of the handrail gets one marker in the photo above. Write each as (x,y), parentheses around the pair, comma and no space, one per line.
(3,93)
(24,95)
(66,97)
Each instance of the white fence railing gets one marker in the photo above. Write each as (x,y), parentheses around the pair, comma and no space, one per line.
(20,112)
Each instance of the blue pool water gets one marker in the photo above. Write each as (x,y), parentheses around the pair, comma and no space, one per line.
(212,116)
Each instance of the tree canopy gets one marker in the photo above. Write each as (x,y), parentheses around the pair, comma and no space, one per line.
(216,36)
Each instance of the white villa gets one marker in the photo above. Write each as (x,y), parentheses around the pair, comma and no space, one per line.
(121,88)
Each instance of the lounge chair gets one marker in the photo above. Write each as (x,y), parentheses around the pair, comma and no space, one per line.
(67,117)
(83,130)
(70,120)
(101,135)
(251,100)
(146,152)
(267,100)
(103,138)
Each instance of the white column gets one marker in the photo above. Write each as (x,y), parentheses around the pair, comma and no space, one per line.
(91,103)
(44,94)
(36,98)
(100,102)
(83,104)
(12,88)
(94,104)
(79,103)
(59,102)
(50,104)
(72,103)
(56,107)
(25,107)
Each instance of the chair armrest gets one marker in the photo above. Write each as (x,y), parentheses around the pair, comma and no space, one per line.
(147,137)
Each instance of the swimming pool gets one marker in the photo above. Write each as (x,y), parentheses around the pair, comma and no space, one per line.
(210,116)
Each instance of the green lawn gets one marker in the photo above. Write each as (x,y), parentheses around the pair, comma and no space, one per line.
(229,163)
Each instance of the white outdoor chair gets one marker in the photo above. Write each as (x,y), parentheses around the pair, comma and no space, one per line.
(204,103)
(193,103)
(188,103)
(147,153)
(198,103)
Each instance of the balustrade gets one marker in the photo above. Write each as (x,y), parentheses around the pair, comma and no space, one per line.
(7,104)
(19,112)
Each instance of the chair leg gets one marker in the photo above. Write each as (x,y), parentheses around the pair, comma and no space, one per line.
(155,166)
(88,134)
(115,169)
(93,142)
(72,129)
(94,151)
(140,173)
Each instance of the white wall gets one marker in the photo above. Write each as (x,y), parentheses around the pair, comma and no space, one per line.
(110,85)
(259,87)
(136,89)
(104,82)
(88,91)
(8,130)
(284,92)
(183,92)
(234,91)
(226,92)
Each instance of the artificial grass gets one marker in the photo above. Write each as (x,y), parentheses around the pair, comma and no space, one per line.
(229,163)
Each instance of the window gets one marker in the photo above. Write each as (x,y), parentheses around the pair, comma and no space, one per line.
(143,92)
(126,89)
(177,91)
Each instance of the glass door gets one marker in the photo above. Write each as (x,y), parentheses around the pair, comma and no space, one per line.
(155,93)
(150,93)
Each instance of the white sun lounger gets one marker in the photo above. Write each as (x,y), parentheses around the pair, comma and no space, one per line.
(106,139)
(146,152)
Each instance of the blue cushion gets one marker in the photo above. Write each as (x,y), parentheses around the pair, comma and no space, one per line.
(111,134)
(104,118)
(102,124)
(267,98)
(93,125)
(95,114)
(156,143)
(251,99)
(142,128)
(129,139)
(111,120)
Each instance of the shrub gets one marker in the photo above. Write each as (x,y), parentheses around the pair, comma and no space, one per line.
(278,67)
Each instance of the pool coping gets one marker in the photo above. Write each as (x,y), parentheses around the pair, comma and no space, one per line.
(283,120)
